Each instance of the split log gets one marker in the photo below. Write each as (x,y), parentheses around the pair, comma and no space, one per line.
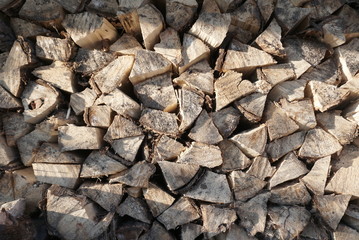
(351,216)
(26,29)
(107,7)
(135,192)
(122,127)
(88,61)
(226,120)
(148,64)
(278,73)
(168,148)
(127,148)
(320,12)
(15,208)
(347,58)
(159,121)
(131,229)
(252,142)
(227,6)
(314,230)
(237,232)
(244,58)
(253,213)
(170,45)
(72,6)
(98,116)
(15,127)
(290,90)
(344,232)
(135,208)
(216,220)
(210,6)
(211,28)
(157,231)
(177,175)
(204,130)
(280,147)
(347,158)
(181,212)
(351,112)
(157,92)
(266,9)
(341,181)
(252,106)
(318,143)
(195,152)
(6,187)
(8,154)
(8,101)
(126,45)
(190,231)
(269,40)
(180,13)
(244,185)
(58,74)
(292,194)
(137,176)
(316,179)
(98,164)
(351,17)
(333,31)
(51,153)
(261,168)
(247,17)
(88,30)
(212,187)
(129,19)
(81,100)
(327,72)
(65,175)
(233,157)
(45,48)
(3,57)
(157,199)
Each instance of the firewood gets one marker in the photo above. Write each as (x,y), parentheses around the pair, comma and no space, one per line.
(269,40)
(244,185)
(280,147)
(333,31)
(345,55)
(107,7)
(131,229)
(159,121)
(351,112)
(325,72)
(233,157)
(347,158)
(157,199)
(290,194)
(81,100)
(320,12)
(129,19)
(47,13)
(115,74)
(252,142)
(170,46)
(7,187)
(227,6)
(247,17)
(88,30)
(135,192)
(3,57)
(126,45)
(98,116)
(253,213)
(261,168)
(45,48)
(351,216)
(204,130)
(266,9)
(331,208)
(8,154)
(318,143)
(15,127)
(344,232)
(177,175)
(125,5)
(26,29)
(135,208)
(137,176)
(315,180)
(98,164)
(127,148)
(179,13)
(8,101)
(289,220)
(15,208)
(212,187)
(278,73)
(237,232)
(194,50)
(158,93)
(72,6)
(106,195)
(216,220)
(157,231)
(51,153)
(195,152)
(190,106)
(252,106)
(148,64)
(88,61)
(191,231)
(66,175)
(226,120)
(121,127)
(314,230)
(211,28)
(181,212)
(351,17)
(341,183)
(167,148)
(290,90)
(231,87)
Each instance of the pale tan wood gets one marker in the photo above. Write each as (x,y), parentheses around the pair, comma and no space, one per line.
(212,187)
(148,64)
(216,220)
(130,22)
(244,58)
(88,30)
(157,199)
(122,127)
(244,185)
(231,87)
(135,192)
(195,152)
(114,75)
(347,57)
(71,5)
(314,231)
(351,17)
(278,73)
(210,6)
(280,147)
(8,101)
(98,116)
(26,29)
(261,168)
(211,28)
(290,194)
(135,208)
(331,208)
(353,86)
(126,45)
(261,83)
(107,7)
(266,9)
(81,100)
(127,148)
(170,45)
(45,49)
(290,90)
(247,17)
(318,143)
(289,220)
(347,158)
(344,232)
(157,92)
(159,121)
(15,208)
(253,141)
(233,157)
(180,13)
(333,31)
(15,127)
(65,175)
(226,120)
(181,212)
(190,106)
(168,148)
(87,61)
(269,40)
(317,177)
(8,154)
(190,230)
(51,153)
(325,72)
(351,111)
(98,164)
(137,176)
(252,106)
(177,175)
(253,213)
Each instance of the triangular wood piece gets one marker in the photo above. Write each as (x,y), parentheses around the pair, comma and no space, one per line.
(135,208)
(204,130)
(318,143)
(244,58)
(266,8)
(346,57)
(261,168)
(244,185)
(148,64)
(159,121)
(342,181)
(177,175)
(87,61)
(212,187)
(278,73)
(8,101)
(157,231)
(344,232)
(46,51)
(348,157)
(51,153)
(27,29)
(317,177)
(291,168)
(247,17)
(121,127)
(233,157)
(170,46)
(252,106)
(194,155)
(191,231)
(180,13)
(325,72)
(98,164)
(210,6)
(167,148)
(157,199)
(331,208)
(252,142)
(79,101)
(226,120)
(127,148)
(98,116)
(292,194)
(230,87)
(126,45)
(290,90)
(269,40)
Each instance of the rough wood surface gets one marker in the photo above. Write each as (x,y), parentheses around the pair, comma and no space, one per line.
(45,48)
(278,73)
(269,40)
(327,71)
(167,148)
(157,199)
(135,208)
(51,153)
(126,45)
(26,29)
(179,13)
(317,177)
(341,183)
(344,232)
(261,168)
(247,17)
(233,158)
(193,155)
(226,120)
(190,231)
(122,127)
(98,116)
(8,101)
(127,148)
(290,90)
(290,194)
(159,121)
(252,106)
(8,154)
(244,185)
(87,61)
(170,45)
(81,100)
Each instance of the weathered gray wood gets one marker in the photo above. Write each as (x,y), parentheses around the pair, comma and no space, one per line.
(167,148)
(87,61)
(317,177)
(320,12)
(15,208)
(72,6)
(15,127)
(233,157)
(45,49)
(159,121)
(290,90)
(8,101)
(127,148)
(341,181)
(314,230)
(6,187)
(252,106)
(122,127)
(157,199)
(26,29)
(247,17)
(179,13)
(51,153)
(351,216)
(331,208)
(266,9)
(170,45)
(350,16)
(135,208)
(81,100)
(126,45)
(347,58)
(237,232)
(344,232)
(157,231)
(107,7)
(278,73)
(347,158)
(244,185)
(210,6)
(8,154)
(333,31)
(292,194)
(190,231)
(261,168)
(269,40)
(226,120)
(327,72)
(195,152)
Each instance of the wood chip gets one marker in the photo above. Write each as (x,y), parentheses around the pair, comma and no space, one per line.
(180,13)
(233,157)
(269,40)
(292,194)
(317,177)
(157,199)
(244,185)
(261,168)
(135,208)
(195,152)
(159,121)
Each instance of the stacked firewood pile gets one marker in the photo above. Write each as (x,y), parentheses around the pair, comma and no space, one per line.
(179,119)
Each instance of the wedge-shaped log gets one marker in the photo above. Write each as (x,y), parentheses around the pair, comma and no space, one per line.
(98,116)
(167,148)
(81,100)
(290,194)
(290,90)
(252,106)
(278,73)
(280,147)
(8,154)
(122,127)
(127,148)
(107,7)
(266,9)
(341,182)
(269,40)
(244,185)
(247,17)
(179,13)
(51,153)
(204,130)
(226,120)
(327,72)
(159,121)
(194,155)
(71,6)
(87,61)
(348,59)
(317,177)
(170,45)
(26,29)
(126,45)
(191,230)
(135,208)
(8,101)
(233,157)
(45,49)
(261,168)
(344,232)
(350,16)
(157,199)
